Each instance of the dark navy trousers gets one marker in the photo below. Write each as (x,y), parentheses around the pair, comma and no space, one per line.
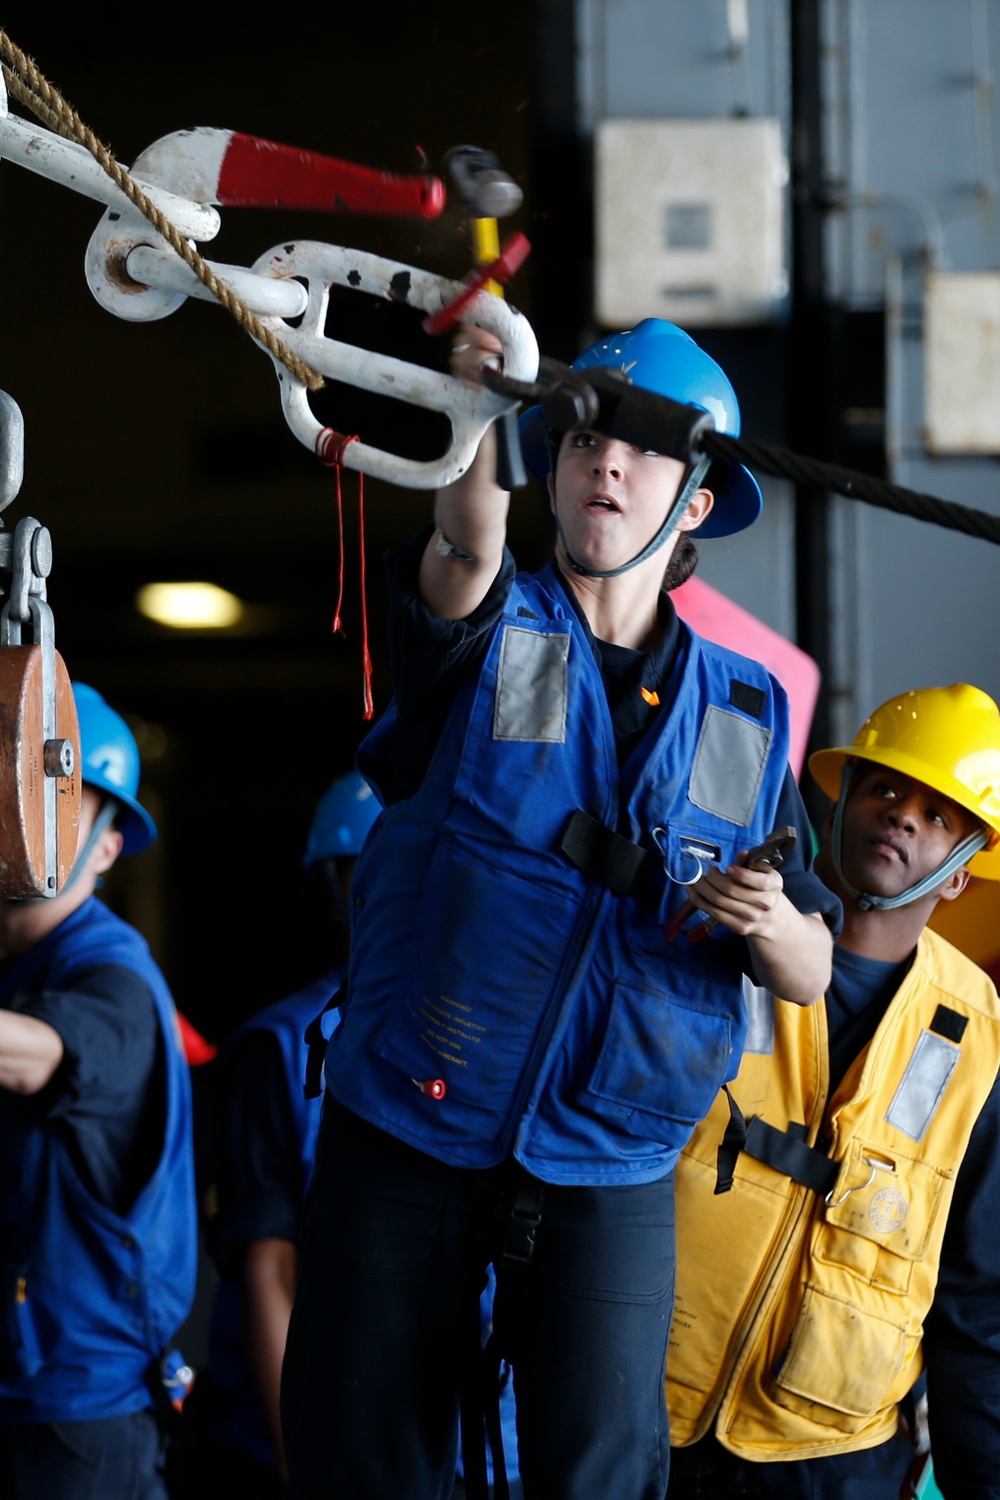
(114,1458)
(392,1266)
(707,1471)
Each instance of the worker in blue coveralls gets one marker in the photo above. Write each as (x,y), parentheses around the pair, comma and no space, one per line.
(97,1201)
(267,1139)
(523,1053)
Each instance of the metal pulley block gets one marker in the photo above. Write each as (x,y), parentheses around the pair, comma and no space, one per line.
(39,778)
(40,787)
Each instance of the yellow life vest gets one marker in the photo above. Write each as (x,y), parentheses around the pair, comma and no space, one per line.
(799,1315)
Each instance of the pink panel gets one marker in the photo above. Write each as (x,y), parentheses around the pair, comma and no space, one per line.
(717,618)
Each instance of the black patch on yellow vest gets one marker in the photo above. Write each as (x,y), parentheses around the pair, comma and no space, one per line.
(949,1024)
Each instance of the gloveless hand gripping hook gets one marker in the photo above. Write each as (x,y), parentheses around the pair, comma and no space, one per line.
(134,273)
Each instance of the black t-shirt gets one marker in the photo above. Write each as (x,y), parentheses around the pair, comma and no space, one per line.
(107,1097)
(260,1168)
(860,990)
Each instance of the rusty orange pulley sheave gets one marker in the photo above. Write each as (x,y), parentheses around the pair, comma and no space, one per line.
(40,785)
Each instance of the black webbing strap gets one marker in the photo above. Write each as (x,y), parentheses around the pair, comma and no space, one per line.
(523,1214)
(316,1042)
(492,1366)
(606,856)
(730,1146)
(786,1152)
(473,1406)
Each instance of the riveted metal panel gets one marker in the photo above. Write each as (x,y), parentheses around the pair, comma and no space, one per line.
(962,362)
(690,221)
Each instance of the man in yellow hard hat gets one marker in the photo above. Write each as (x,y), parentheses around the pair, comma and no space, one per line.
(860,1244)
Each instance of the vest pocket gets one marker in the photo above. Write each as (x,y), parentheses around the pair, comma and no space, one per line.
(841,1362)
(883,1210)
(477,983)
(662,1060)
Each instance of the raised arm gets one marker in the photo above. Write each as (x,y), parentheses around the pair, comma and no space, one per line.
(270,1273)
(465,552)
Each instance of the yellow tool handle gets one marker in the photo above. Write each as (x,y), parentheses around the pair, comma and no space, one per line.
(486,248)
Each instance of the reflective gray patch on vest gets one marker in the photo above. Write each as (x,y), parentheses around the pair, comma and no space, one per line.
(729,762)
(760,1018)
(532,681)
(923,1084)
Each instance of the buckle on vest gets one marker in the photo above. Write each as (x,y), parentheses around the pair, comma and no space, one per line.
(606,856)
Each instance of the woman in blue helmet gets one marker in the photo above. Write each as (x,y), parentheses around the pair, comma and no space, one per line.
(523,1052)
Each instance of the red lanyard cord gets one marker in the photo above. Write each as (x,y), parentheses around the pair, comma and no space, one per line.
(330,448)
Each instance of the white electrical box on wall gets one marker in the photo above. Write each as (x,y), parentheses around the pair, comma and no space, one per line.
(690,221)
(962,362)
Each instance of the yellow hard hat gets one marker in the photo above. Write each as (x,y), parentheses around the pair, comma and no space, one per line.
(948,738)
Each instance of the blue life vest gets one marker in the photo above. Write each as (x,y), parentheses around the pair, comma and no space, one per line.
(286,1022)
(562,1025)
(90,1297)
(235,1416)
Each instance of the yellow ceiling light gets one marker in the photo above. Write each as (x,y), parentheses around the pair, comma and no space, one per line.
(189,606)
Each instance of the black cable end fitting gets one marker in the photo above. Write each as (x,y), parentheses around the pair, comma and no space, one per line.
(571,404)
(606,401)
(510,472)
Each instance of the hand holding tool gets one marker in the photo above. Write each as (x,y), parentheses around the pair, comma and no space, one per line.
(485,277)
(490,194)
(769,855)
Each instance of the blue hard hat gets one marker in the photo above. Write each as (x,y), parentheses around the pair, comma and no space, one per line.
(661,357)
(340,824)
(110,763)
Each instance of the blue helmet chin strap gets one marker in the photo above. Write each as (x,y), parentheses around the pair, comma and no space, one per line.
(692,483)
(960,855)
(106,815)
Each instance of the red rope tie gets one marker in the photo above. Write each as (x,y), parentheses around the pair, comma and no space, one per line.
(332,445)
(330,449)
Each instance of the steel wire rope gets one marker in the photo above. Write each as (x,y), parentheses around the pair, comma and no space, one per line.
(599,400)
(853,485)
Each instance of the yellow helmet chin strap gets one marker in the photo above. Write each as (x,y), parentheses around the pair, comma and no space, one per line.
(960,855)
